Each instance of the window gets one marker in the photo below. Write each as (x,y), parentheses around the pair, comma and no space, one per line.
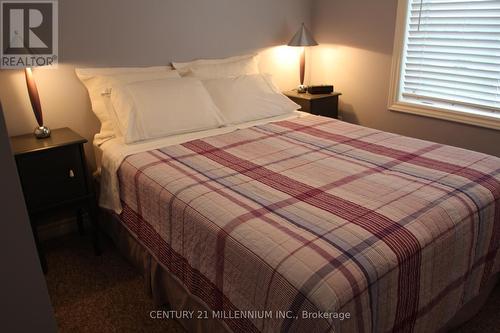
(447,60)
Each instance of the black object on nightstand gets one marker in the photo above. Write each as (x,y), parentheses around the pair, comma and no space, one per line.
(319,104)
(54,175)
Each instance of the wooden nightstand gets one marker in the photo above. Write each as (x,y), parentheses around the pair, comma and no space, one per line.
(319,104)
(54,175)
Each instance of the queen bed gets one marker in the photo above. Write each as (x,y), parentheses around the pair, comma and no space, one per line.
(300,223)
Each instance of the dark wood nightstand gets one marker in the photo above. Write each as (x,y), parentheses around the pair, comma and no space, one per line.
(54,175)
(319,104)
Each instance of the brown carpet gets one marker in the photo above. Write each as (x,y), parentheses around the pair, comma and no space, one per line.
(106,294)
(98,294)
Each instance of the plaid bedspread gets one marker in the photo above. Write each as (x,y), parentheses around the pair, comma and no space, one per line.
(290,226)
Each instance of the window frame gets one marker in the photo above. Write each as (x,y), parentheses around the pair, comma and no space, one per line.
(395,104)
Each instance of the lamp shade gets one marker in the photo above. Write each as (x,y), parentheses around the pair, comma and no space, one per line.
(303,37)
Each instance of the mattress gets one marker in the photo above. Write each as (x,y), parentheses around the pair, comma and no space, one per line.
(316,224)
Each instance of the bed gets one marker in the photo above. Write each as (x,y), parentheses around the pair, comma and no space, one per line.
(305,223)
(247,216)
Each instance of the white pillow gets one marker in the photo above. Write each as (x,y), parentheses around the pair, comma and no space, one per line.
(93,80)
(248,97)
(218,68)
(158,108)
(107,83)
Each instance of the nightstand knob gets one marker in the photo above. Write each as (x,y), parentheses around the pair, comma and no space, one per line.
(71,173)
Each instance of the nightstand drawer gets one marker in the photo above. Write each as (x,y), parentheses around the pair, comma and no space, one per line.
(52,177)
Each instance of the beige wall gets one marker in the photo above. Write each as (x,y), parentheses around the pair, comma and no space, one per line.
(356,39)
(106,33)
(355,52)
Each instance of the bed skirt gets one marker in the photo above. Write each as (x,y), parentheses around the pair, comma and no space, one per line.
(168,292)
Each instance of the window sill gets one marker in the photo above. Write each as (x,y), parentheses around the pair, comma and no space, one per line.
(469,118)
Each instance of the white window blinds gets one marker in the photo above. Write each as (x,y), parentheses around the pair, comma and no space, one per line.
(451,55)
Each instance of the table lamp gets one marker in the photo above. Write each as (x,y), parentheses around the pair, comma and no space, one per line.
(302,38)
(41,131)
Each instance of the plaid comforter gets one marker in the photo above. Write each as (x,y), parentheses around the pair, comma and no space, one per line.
(290,226)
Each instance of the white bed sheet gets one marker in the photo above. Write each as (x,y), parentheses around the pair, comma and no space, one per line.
(115,150)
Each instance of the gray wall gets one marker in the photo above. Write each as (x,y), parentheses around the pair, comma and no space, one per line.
(25,301)
(148,32)
(107,33)
(356,39)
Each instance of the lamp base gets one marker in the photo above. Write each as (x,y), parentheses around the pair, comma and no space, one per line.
(301,89)
(42,132)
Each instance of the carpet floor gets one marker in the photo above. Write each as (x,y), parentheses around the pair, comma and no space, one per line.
(106,294)
(98,293)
